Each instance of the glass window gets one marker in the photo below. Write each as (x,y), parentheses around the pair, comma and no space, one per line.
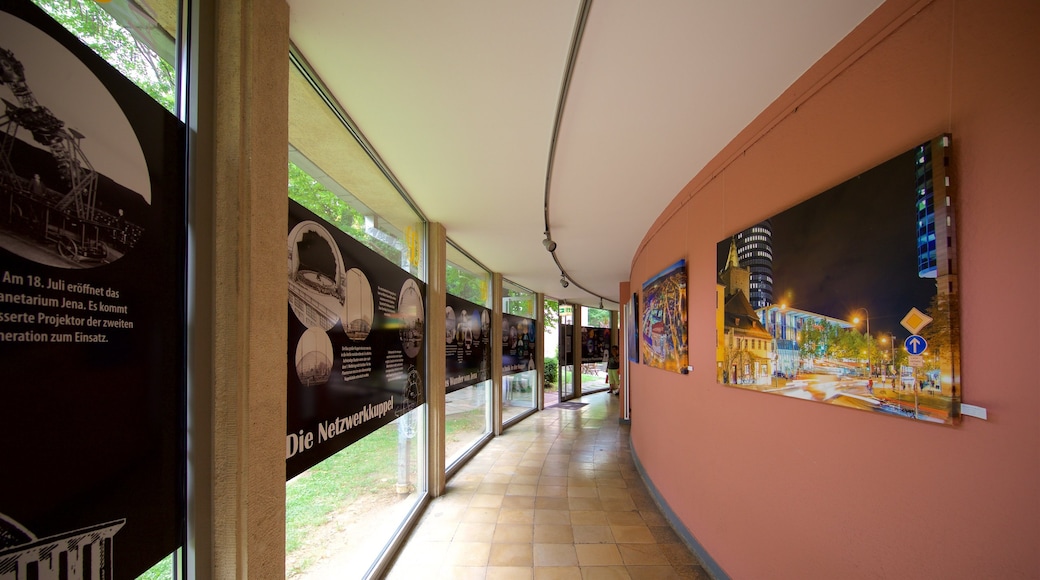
(468,410)
(136,38)
(594,371)
(466,278)
(518,300)
(349,507)
(519,342)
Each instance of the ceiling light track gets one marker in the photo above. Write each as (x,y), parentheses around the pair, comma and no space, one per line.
(572,57)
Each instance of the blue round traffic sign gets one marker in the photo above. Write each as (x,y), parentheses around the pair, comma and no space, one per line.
(915,344)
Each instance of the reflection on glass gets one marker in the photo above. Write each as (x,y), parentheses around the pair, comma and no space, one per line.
(467,419)
(519,392)
(341,513)
(593,377)
(138,41)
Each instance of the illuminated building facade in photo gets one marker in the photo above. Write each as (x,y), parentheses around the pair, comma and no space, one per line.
(746,348)
(785,324)
(937,248)
(755,252)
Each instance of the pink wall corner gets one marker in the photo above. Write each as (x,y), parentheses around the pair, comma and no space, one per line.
(779,488)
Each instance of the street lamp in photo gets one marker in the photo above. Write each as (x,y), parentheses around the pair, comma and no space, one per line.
(891,340)
(866,319)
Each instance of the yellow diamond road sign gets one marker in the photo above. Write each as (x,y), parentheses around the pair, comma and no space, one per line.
(915,320)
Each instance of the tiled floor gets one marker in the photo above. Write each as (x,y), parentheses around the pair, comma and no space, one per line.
(556,496)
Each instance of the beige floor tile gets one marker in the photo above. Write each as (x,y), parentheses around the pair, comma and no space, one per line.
(664,535)
(481,515)
(516,516)
(555,555)
(632,534)
(486,500)
(589,518)
(558,517)
(557,573)
(521,489)
(497,478)
(474,532)
(513,533)
(678,555)
(605,573)
(555,497)
(592,535)
(643,555)
(582,491)
(467,554)
(553,534)
(691,572)
(510,573)
(436,531)
(625,518)
(608,492)
(492,488)
(653,517)
(461,573)
(653,573)
(521,554)
(585,503)
(598,555)
(617,505)
(552,503)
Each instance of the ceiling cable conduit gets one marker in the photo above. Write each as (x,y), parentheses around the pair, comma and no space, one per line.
(572,57)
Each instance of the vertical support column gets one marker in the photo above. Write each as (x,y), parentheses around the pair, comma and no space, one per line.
(436,291)
(495,341)
(623,330)
(239,213)
(576,349)
(539,354)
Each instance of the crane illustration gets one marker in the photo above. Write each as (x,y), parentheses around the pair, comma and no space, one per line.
(66,213)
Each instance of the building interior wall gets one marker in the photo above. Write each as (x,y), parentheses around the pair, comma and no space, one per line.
(781,488)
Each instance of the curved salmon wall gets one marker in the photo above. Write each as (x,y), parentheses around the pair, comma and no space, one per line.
(779,488)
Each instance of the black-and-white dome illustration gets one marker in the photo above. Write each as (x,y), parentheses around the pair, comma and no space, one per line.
(449,325)
(314,357)
(359,307)
(317,282)
(413,318)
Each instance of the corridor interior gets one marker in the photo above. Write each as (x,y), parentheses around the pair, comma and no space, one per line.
(557,496)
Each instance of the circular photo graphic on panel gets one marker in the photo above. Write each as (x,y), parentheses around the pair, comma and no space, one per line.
(360,307)
(75,187)
(317,286)
(410,310)
(449,325)
(314,358)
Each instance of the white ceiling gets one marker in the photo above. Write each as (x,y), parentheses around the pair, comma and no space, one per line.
(459,99)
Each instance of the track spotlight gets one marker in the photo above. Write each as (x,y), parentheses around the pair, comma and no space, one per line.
(601,304)
(549,243)
(564,282)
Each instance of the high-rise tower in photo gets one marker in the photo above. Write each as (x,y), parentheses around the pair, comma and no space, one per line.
(937,254)
(755,251)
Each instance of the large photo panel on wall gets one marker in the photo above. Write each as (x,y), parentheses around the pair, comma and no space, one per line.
(467,348)
(663,327)
(850,298)
(356,341)
(519,344)
(92,311)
